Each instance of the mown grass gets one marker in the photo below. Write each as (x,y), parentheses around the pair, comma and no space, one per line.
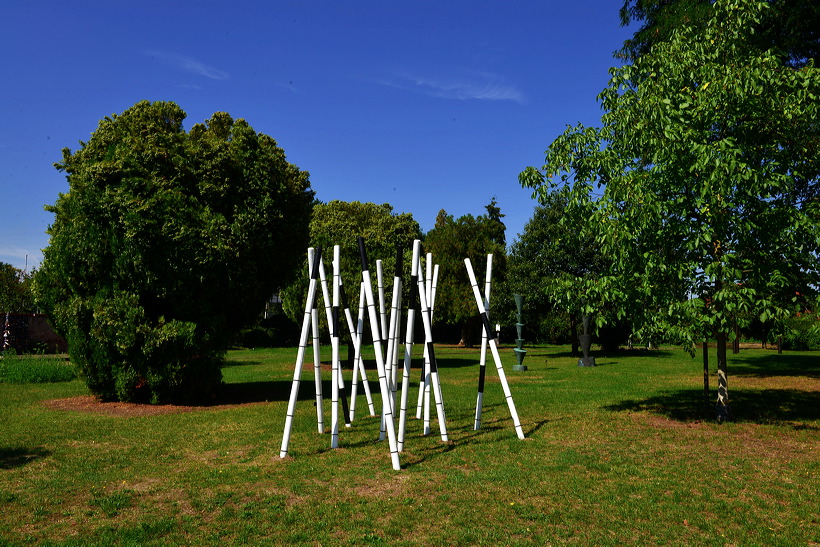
(622,453)
(35,369)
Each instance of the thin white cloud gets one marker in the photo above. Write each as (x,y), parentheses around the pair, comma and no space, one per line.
(468,85)
(188,64)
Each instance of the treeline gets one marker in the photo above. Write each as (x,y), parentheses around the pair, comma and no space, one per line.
(692,213)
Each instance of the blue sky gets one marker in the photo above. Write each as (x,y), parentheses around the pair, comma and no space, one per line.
(423,105)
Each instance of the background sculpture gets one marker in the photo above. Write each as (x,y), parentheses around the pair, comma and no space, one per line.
(520,352)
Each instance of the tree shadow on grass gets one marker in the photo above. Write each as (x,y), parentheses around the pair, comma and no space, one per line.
(460,362)
(771,364)
(763,406)
(19,456)
(242,363)
(607,355)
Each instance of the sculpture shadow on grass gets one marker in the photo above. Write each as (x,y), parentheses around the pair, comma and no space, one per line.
(11,457)
(277,390)
(763,406)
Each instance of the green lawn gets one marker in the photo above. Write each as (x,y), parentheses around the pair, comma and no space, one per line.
(622,453)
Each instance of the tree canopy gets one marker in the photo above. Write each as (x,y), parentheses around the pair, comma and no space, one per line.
(451,241)
(167,243)
(341,223)
(790,28)
(705,150)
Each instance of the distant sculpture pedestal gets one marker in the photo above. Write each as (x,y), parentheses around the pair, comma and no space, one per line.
(586,343)
(520,354)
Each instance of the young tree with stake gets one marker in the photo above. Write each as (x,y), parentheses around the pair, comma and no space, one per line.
(706,148)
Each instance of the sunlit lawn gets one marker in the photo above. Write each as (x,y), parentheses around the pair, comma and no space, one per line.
(622,453)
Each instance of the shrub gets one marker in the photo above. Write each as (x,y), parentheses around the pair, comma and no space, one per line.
(166,245)
(801,333)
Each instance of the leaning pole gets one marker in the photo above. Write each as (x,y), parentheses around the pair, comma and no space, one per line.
(494,349)
(387,409)
(300,356)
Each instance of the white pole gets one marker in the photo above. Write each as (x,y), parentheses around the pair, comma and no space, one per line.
(300,356)
(482,371)
(317,368)
(395,320)
(390,333)
(358,365)
(433,292)
(494,349)
(429,290)
(425,400)
(408,343)
(431,302)
(353,338)
(382,310)
(374,327)
(425,366)
(317,357)
(334,343)
(383,332)
(329,314)
(360,341)
(434,380)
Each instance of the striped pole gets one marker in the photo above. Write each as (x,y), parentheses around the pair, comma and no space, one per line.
(408,343)
(300,356)
(494,349)
(334,344)
(482,370)
(390,334)
(428,340)
(374,328)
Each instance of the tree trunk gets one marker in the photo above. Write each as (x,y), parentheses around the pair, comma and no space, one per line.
(724,411)
(736,341)
(706,374)
(468,329)
(573,328)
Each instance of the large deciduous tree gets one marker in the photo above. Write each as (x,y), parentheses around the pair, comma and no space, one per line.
(166,244)
(15,290)
(451,241)
(706,146)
